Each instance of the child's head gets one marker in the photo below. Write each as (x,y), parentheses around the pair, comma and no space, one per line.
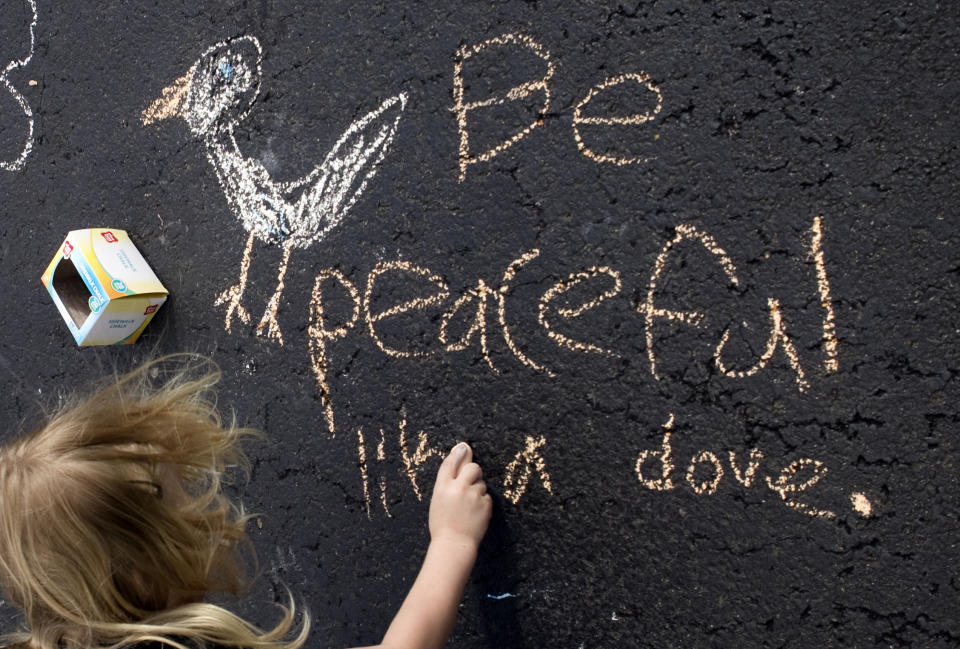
(113,525)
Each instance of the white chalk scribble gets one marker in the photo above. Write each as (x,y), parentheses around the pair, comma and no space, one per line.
(21,159)
(218,92)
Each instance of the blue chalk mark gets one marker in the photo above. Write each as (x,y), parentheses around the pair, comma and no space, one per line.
(504,596)
(226,70)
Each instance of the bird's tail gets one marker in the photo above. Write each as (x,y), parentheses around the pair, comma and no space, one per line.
(351,163)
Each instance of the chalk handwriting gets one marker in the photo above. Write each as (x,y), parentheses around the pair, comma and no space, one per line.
(747,475)
(416,451)
(516,93)
(663,482)
(217,93)
(793,480)
(364,473)
(509,44)
(478,324)
(655,470)
(412,463)
(381,456)
(501,296)
(629,120)
(319,335)
(694,318)
(522,467)
(562,287)
(823,284)
(705,487)
(479,296)
(466,318)
(787,488)
(21,159)
(778,335)
(421,454)
(411,305)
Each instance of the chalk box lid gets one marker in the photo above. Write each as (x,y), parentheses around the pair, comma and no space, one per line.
(103,287)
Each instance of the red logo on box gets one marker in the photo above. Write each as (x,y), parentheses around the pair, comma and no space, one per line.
(67,249)
(150,309)
(109,236)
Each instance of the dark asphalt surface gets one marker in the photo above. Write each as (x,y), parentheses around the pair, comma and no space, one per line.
(771,114)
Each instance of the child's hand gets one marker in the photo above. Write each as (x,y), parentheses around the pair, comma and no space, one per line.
(460,507)
(459,513)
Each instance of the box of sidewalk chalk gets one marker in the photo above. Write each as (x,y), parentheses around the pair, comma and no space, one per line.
(104,288)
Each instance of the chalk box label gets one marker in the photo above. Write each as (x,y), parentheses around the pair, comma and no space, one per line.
(103,287)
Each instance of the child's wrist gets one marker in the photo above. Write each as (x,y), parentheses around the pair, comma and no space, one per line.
(454,546)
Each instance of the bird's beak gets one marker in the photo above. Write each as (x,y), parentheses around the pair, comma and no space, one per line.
(170,102)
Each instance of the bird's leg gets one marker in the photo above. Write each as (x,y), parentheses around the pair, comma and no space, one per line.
(232,296)
(269,320)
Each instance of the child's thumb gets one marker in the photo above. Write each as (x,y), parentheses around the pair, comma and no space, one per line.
(458,456)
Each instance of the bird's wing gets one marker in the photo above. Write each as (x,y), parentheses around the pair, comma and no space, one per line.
(344,173)
(251,192)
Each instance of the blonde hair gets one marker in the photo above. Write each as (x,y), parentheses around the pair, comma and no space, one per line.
(114,525)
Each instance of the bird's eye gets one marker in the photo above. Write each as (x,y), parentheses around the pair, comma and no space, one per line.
(226,69)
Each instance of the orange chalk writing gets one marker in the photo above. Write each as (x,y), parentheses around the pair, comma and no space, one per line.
(441,294)
(320,334)
(562,287)
(628,120)
(461,108)
(522,468)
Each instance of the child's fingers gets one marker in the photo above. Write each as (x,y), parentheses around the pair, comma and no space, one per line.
(458,456)
(471,473)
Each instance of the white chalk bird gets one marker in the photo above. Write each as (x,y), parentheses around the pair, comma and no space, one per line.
(215,94)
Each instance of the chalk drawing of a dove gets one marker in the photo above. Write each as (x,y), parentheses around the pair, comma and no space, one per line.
(215,94)
(17,164)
